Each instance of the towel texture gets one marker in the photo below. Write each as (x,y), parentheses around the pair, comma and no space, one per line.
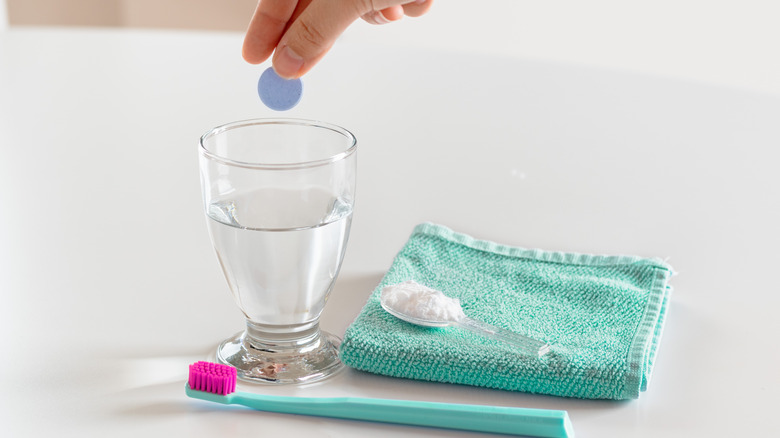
(603,316)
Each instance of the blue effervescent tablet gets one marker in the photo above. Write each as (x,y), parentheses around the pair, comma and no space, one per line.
(278,93)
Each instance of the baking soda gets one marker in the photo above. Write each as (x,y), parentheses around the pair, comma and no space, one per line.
(421,302)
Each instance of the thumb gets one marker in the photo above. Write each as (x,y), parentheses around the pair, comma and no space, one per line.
(312,34)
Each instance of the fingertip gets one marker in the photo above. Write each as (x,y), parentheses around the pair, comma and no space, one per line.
(250,57)
(254,51)
(417,8)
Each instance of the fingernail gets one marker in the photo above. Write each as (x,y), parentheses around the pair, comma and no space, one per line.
(287,63)
(379,18)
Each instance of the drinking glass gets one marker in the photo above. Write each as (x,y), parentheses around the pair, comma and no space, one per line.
(278,196)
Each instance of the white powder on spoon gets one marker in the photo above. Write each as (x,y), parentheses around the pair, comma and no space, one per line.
(421,302)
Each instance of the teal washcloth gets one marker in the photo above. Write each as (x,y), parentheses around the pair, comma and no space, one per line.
(602,315)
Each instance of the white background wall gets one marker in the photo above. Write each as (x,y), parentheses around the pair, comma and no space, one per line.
(734,43)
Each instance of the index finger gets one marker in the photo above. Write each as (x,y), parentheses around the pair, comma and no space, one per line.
(266,28)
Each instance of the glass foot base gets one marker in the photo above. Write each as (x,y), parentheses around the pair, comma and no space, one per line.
(273,364)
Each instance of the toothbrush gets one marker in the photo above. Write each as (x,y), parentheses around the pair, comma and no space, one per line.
(217,383)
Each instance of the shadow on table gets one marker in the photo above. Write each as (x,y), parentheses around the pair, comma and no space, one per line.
(153,389)
(347,299)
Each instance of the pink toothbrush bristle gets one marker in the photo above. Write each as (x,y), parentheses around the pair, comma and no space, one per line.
(212,377)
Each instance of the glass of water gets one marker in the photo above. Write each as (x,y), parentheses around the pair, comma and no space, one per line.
(278,197)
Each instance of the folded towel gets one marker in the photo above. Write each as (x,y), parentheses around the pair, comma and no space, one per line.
(602,315)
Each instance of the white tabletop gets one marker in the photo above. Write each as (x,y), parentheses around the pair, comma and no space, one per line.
(110,286)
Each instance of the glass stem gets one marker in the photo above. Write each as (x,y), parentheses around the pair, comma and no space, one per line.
(274,338)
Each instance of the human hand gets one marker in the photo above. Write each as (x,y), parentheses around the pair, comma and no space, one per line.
(300,32)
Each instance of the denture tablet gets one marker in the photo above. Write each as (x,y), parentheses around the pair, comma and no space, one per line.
(278,93)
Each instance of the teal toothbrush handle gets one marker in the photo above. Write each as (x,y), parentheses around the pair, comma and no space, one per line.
(477,418)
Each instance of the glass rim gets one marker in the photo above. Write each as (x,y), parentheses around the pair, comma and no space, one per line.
(277,121)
